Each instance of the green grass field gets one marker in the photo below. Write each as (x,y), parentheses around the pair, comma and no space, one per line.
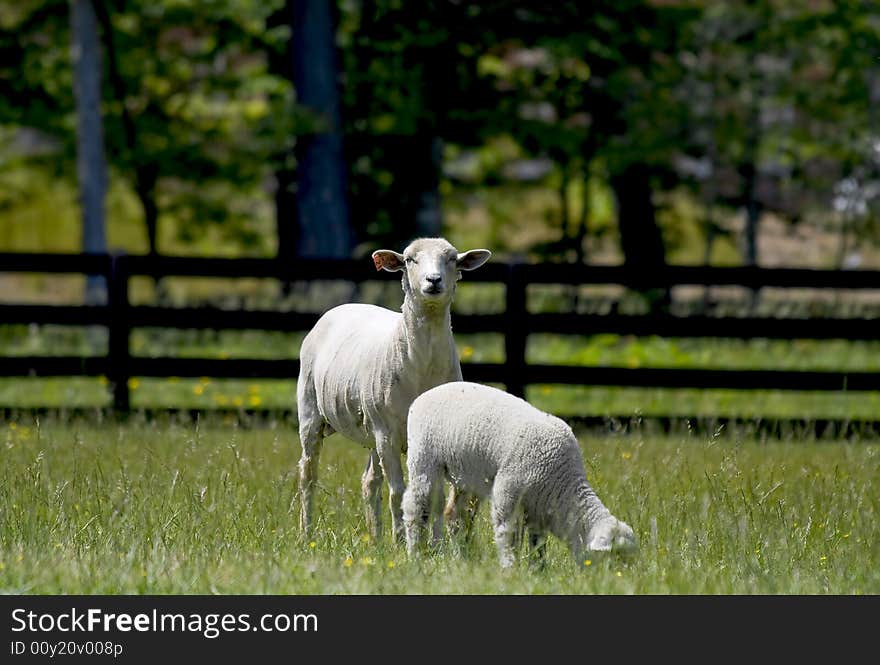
(183,508)
(171,507)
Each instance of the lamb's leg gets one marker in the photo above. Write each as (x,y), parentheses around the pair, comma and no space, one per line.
(461,509)
(437,509)
(505,502)
(371,490)
(389,458)
(311,437)
(416,510)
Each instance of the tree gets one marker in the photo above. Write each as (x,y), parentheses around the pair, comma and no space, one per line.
(91,165)
(189,98)
(321,196)
(191,115)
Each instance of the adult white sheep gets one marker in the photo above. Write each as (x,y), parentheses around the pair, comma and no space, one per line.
(493,445)
(361,367)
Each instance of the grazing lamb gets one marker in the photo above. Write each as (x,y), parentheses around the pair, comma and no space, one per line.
(361,367)
(489,443)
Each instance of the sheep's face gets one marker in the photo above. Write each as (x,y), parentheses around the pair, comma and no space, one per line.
(432,267)
(612,534)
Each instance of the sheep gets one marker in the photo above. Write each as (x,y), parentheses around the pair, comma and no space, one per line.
(361,366)
(490,444)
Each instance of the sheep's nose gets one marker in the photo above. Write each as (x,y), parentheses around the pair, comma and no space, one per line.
(435,278)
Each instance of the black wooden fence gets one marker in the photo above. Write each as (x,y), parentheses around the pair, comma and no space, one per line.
(120,316)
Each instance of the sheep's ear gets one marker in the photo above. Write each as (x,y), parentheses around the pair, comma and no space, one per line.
(473,259)
(385,259)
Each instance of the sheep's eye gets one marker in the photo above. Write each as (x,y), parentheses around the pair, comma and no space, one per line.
(410,259)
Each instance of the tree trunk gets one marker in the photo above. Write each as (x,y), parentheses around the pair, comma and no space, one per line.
(416,188)
(640,237)
(429,216)
(321,195)
(146,178)
(90,161)
(748,170)
(564,214)
(285,213)
(583,226)
(146,175)
(753,213)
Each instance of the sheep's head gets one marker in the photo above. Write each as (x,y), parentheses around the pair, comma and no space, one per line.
(431,268)
(610,534)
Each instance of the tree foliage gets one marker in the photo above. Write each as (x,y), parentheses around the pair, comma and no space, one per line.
(747,107)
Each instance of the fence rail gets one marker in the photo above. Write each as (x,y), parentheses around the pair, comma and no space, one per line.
(516,323)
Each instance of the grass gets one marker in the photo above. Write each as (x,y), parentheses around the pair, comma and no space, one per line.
(176,507)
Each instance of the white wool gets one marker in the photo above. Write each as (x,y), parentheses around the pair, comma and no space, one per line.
(361,367)
(493,445)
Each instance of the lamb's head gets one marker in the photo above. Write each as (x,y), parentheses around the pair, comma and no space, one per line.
(431,268)
(610,534)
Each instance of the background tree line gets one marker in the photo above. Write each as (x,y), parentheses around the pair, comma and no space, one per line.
(657,123)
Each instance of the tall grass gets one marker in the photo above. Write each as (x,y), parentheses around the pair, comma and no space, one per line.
(187,508)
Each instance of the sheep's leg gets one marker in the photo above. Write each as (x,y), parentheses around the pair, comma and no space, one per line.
(389,458)
(461,509)
(311,438)
(416,510)
(371,490)
(436,509)
(505,501)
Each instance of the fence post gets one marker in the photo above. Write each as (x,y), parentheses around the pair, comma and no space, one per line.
(118,351)
(516,334)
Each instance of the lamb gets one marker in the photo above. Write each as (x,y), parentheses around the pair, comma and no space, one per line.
(490,444)
(361,367)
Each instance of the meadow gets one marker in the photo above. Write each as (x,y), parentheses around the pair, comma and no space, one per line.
(167,506)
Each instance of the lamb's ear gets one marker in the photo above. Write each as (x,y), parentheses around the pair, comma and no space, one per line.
(385,259)
(473,259)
